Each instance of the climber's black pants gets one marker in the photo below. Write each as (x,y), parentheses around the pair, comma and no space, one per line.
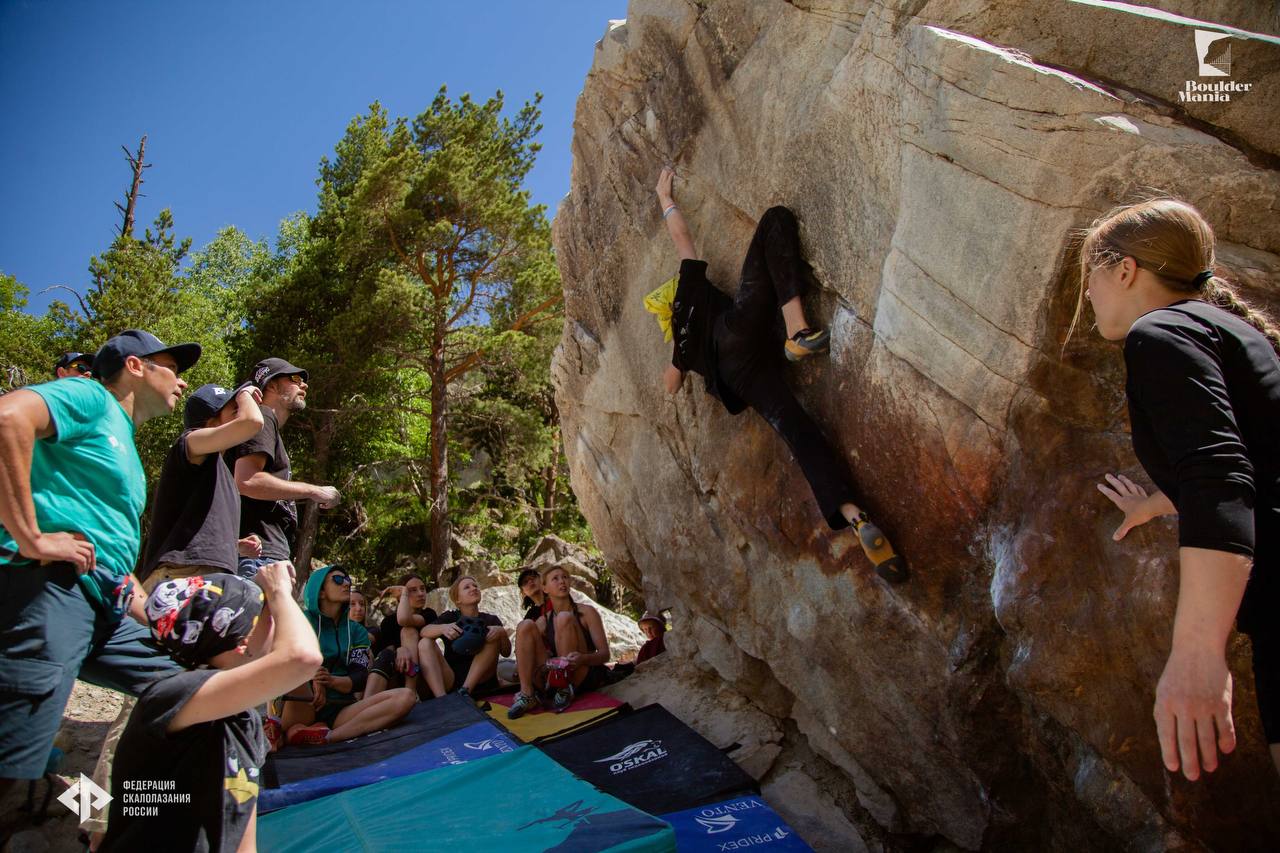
(749,356)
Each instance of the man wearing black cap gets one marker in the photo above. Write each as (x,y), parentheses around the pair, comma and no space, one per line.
(196,512)
(73,364)
(72,490)
(267,506)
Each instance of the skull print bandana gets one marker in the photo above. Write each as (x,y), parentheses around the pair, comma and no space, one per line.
(197,617)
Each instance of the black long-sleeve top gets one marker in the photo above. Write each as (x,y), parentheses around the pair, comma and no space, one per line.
(1204,403)
(694,312)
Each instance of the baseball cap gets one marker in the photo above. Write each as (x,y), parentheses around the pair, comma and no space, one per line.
(269,368)
(69,358)
(110,358)
(207,401)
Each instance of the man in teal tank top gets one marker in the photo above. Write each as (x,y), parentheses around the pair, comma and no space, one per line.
(72,491)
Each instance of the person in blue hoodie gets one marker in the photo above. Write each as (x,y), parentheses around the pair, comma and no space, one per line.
(331,710)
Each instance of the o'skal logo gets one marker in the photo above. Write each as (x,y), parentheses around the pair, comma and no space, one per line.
(1213,59)
(634,755)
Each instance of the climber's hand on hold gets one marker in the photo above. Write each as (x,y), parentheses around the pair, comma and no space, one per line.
(665,179)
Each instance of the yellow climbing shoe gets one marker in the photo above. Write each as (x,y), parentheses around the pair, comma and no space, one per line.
(875,545)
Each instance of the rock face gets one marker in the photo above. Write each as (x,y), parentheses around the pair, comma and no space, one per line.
(939,154)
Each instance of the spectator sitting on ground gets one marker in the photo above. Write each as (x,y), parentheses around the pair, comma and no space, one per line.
(535,600)
(395,661)
(358,612)
(345,646)
(473,640)
(262,471)
(200,728)
(569,631)
(72,490)
(654,626)
(196,512)
(73,364)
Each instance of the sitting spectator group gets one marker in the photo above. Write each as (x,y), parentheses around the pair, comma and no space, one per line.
(206,629)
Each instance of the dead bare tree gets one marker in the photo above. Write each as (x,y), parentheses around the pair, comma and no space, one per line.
(131,200)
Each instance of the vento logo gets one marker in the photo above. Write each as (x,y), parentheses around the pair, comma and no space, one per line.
(1213,59)
(84,796)
(635,755)
(492,743)
(713,825)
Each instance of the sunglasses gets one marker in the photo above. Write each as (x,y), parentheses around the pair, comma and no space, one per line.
(339,579)
(80,367)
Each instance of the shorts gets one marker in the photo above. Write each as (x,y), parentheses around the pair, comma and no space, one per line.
(385,665)
(247,567)
(49,635)
(1266,678)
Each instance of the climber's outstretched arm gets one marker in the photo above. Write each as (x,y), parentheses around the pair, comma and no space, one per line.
(676,226)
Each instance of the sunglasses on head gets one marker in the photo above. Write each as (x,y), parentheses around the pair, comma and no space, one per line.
(340,579)
(80,367)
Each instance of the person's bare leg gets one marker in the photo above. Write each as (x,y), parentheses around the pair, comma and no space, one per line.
(295,713)
(370,715)
(439,677)
(793,316)
(249,843)
(568,635)
(483,666)
(530,654)
(376,683)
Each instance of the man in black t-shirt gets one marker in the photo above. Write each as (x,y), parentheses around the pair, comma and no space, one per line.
(261,466)
(195,515)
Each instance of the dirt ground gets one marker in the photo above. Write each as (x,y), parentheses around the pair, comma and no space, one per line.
(89,714)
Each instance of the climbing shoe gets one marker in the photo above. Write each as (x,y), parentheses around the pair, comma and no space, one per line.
(316,735)
(464,691)
(520,705)
(562,699)
(807,342)
(875,545)
(274,731)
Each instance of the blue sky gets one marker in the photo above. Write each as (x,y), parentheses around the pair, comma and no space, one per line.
(240,101)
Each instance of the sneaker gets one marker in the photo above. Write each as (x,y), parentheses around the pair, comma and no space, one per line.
(464,692)
(314,735)
(807,342)
(520,705)
(562,699)
(875,545)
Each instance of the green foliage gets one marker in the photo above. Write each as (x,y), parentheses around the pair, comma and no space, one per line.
(425,269)
(29,345)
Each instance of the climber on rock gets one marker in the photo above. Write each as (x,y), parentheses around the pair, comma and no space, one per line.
(733,344)
(1203,389)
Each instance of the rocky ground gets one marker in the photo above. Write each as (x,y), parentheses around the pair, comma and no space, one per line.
(84,726)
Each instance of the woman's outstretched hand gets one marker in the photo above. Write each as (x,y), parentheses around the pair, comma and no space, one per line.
(1138,507)
(671,378)
(1193,711)
(665,179)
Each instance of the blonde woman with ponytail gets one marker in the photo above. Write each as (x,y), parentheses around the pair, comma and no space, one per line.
(1203,388)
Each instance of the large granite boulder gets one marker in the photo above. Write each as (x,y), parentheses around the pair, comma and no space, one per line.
(939,155)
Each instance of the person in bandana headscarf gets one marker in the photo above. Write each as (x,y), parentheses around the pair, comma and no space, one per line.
(194,745)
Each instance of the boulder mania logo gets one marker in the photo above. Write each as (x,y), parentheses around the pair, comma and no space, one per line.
(1213,59)
(634,755)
